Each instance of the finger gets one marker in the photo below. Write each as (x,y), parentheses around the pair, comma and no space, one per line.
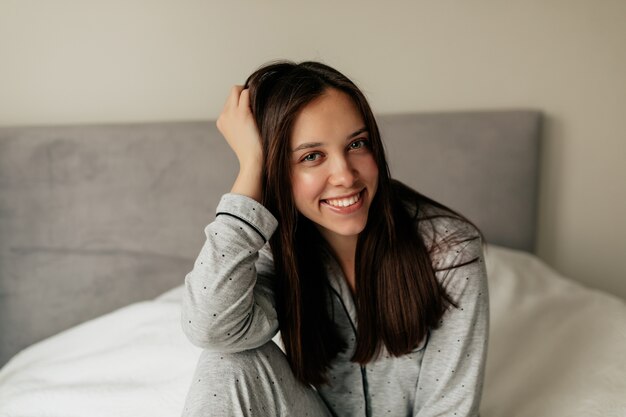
(244,99)
(233,98)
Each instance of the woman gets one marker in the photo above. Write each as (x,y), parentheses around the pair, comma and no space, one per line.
(380,293)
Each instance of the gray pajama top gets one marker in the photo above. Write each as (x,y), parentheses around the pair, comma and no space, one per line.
(228,306)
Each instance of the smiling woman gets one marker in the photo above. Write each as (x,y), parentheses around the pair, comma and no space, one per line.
(379,292)
(334,180)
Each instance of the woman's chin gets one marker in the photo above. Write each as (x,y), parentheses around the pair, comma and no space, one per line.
(344,232)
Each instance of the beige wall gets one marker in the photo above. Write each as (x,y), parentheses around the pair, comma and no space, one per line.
(95,61)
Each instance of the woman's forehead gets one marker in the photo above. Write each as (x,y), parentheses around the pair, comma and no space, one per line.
(331,116)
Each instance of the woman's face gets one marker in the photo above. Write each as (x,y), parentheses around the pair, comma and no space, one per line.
(334,174)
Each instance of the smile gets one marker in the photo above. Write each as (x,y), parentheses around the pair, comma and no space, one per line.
(344,202)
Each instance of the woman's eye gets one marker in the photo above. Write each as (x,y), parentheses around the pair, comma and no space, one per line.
(311,157)
(357,144)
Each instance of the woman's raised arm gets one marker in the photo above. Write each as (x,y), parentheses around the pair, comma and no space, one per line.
(228,302)
(237,125)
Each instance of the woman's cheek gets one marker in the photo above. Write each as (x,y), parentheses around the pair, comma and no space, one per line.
(305,188)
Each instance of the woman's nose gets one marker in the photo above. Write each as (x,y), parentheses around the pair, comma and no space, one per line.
(343,173)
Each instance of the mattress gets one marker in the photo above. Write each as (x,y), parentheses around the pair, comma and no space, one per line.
(556,348)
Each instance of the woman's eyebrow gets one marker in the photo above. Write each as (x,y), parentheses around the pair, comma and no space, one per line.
(358,132)
(316,144)
(308,145)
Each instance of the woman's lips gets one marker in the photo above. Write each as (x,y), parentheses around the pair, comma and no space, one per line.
(346,210)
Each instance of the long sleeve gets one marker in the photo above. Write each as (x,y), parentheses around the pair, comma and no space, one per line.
(451,377)
(228,302)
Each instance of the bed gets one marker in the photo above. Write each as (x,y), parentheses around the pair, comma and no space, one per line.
(100,223)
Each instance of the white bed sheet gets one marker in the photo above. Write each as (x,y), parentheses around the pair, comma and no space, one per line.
(556,349)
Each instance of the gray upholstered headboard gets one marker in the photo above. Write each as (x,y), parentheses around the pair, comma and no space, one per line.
(93,218)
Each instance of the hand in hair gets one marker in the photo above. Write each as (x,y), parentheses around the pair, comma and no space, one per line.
(236,123)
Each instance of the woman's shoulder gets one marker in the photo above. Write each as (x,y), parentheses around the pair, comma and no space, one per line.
(435,221)
(439,223)
(448,237)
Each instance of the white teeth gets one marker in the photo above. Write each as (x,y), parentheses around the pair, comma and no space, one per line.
(345,202)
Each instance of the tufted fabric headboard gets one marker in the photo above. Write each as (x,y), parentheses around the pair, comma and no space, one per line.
(96,217)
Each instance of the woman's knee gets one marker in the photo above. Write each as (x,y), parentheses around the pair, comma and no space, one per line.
(238,384)
(253,382)
(250,364)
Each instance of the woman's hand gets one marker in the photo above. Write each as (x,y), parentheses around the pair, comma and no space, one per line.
(236,123)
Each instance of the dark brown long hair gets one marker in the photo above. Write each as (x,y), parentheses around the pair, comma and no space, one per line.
(397,296)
